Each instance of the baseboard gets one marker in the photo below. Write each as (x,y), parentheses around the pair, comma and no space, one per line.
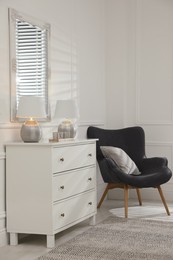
(4,238)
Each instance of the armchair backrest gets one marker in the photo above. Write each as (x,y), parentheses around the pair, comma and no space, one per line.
(131,140)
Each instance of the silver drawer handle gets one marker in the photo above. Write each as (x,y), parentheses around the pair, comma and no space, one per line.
(63,215)
(90,203)
(90,179)
(90,154)
(62,159)
(62,187)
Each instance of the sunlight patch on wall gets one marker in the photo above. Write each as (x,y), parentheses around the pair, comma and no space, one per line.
(64,67)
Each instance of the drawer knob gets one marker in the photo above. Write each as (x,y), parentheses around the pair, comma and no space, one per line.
(90,154)
(62,215)
(62,159)
(90,203)
(90,179)
(61,187)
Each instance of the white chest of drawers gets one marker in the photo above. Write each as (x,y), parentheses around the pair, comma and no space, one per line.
(49,187)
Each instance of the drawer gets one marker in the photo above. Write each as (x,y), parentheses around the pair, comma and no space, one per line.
(72,157)
(71,210)
(73,182)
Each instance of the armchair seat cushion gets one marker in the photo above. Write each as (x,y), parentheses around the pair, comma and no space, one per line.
(152,178)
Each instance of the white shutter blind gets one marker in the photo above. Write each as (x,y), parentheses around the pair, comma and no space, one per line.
(31,61)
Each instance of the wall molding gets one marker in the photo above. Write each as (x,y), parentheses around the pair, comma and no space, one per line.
(2,156)
(2,214)
(164,144)
(91,123)
(10,125)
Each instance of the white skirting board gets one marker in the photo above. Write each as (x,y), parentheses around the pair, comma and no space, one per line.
(4,239)
(3,232)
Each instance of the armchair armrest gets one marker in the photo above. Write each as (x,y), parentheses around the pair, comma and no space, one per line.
(153,163)
(109,170)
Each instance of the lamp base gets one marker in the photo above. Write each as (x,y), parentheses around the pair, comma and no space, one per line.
(30,132)
(66,130)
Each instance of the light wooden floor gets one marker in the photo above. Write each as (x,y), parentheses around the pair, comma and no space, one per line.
(33,246)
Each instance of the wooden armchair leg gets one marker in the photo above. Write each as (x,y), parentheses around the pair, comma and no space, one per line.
(103,196)
(163,200)
(126,191)
(139,196)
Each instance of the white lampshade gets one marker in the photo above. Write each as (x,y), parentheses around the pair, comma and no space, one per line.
(31,106)
(66,109)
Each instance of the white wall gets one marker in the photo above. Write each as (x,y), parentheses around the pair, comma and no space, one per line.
(137,40)
(116,57)
(78,27)
(139,75)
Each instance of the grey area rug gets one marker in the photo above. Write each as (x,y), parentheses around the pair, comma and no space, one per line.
(120,239)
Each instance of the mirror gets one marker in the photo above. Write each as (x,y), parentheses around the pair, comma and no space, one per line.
(29,66)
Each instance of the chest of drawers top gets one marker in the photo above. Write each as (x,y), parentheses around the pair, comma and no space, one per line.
(54,144)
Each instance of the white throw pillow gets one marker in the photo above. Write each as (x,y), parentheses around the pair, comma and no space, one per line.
(121,158)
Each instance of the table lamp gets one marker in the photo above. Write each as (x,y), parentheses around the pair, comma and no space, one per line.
(31,107)
(68,111)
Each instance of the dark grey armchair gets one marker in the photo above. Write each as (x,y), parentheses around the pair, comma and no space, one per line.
(154,171)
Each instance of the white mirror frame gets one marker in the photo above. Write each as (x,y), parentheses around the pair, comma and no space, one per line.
(13,16)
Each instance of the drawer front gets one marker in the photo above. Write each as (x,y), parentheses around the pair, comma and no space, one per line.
(73,209)
(73,182)
(72,157)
